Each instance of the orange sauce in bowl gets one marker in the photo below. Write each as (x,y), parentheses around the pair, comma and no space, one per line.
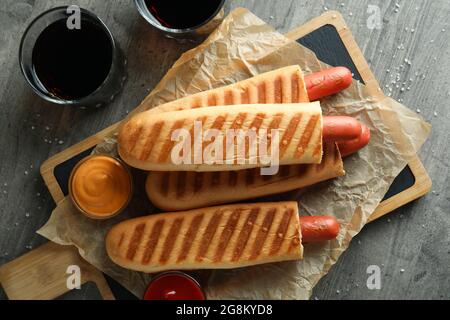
(100,186)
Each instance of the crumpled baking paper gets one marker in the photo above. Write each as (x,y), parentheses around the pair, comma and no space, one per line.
(241,47)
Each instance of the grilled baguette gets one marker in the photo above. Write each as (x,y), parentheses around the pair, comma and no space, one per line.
(211,238)
(145,141)
(284,85)
(187,190)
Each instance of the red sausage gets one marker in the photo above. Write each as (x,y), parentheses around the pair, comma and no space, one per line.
(340,128)
(349,147)
(318,228)
(327,82)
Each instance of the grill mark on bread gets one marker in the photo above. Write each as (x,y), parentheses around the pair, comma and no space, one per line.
(226,235)
(197,102)
(151,139)
(217,124)
(275,124)
(281,231)
(135,240)
(208,235)
(168,145)
(245,233)
(198,181)
(170,240)
(306,136)
(295,90)
(263,233)
(199,140)
(133,136)
(236,125)
(190,236)
(181,183)
(152,242)
(232,178)
(212,100)
(165,183)
(278,90)
(257,121)
(262,92)
(228,97)
(249,176)
(289,133)
(215,178)
(245,96)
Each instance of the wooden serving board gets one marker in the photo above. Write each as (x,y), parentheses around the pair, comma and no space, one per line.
(331,40)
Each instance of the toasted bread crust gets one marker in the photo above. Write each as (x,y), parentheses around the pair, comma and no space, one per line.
(219,237)
(173,191)
(283,85)
(146,141)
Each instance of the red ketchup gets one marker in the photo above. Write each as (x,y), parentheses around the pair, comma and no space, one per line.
(174,286)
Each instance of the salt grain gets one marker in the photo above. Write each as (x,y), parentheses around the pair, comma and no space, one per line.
(435,114)
(418,110)
(60,142)
(47,128)
(402,270)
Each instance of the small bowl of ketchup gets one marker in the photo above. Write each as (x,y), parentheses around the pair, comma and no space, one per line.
(174,285)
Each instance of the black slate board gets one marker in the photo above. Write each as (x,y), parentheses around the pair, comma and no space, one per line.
(329,48)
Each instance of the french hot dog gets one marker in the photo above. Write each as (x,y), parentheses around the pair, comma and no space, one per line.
(327,82)
(175,191)
(349,147)
(222,237)
(284,85)
(146,141)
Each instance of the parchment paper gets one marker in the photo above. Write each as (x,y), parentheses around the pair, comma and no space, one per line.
(241,47)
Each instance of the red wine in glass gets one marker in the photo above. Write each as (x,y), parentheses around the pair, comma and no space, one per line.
(183,14)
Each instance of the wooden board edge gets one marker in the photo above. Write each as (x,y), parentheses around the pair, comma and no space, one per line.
(421,186)
(69,254)
(48,166)
(335,19)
